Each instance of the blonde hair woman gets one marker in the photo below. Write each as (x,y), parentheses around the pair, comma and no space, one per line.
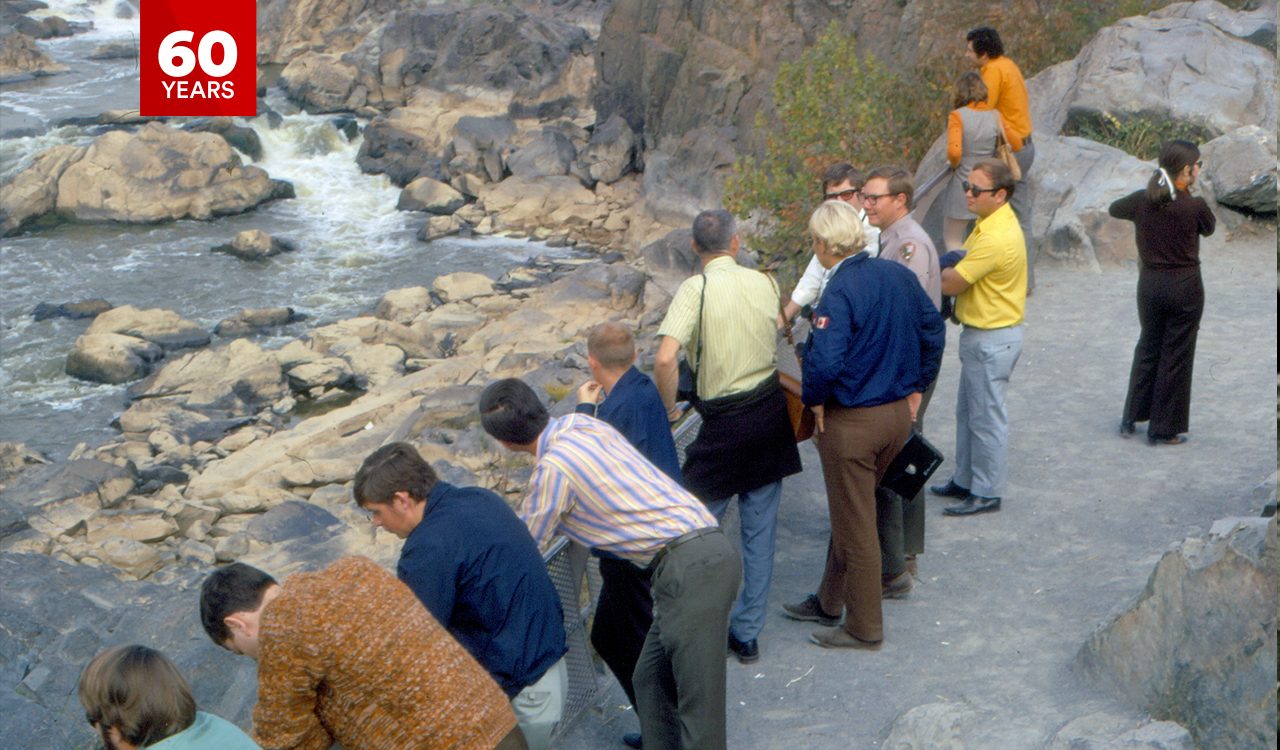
(875,347)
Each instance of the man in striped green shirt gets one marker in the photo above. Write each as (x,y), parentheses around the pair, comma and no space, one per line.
(726,321)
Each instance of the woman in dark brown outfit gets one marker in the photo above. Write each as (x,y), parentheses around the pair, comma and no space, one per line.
(1169,223)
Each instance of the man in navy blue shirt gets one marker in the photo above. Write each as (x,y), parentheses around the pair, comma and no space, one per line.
(632,405)
(876,346)
(472,563)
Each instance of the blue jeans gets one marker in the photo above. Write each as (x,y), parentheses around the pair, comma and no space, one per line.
(987,359)
(758,510)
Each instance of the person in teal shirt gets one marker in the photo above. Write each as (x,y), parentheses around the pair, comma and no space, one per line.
(136,698)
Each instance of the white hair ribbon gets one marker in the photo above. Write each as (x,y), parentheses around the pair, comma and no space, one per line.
(1167,182)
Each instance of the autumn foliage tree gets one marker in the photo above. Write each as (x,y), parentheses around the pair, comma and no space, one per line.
(830,105)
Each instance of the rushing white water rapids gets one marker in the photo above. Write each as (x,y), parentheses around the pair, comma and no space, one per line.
(352,244)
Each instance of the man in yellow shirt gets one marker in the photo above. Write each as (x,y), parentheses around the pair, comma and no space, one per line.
(990,286)
(1007,94)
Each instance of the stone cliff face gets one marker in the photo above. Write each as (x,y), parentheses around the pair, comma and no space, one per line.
(674,66)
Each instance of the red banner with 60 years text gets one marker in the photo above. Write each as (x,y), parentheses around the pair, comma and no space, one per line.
(198,59)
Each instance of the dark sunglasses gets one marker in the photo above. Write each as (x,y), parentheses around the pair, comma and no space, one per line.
(974,190)
(843,195)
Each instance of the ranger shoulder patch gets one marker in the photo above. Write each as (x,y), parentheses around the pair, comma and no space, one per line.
(907,251)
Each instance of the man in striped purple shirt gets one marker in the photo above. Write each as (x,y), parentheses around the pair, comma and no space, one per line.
(593,486)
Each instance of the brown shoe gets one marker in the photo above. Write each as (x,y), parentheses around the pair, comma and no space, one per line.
(898,587)
(838,638)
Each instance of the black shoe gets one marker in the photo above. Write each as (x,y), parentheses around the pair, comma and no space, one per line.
(950,489)
(810,610)
(973,505)
(748,652)
(1166,440)
(1127,428)
(632,740)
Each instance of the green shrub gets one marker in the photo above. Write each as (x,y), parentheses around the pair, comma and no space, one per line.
(1140,134)
(831,105)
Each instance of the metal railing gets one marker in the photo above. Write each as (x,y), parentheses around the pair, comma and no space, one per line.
(566,576)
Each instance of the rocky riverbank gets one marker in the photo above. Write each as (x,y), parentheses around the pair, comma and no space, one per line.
(571,123)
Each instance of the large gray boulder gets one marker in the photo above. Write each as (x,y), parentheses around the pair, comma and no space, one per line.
(615,285)
(59,498)
(236,380)
(480,146)
(432,196)
(164,328)
(157,174)
(396,150)
(550,154)
(322,83)
(1165,66)
(531,202)
(1075,182)
(671,259)
(33,192)
(610,153)
(1241,167)
(111,358)
(22,58)
(686,174)
(528,57)
(1199,644)
(288,29)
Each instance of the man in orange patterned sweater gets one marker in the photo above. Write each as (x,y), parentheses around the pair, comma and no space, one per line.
(349,655)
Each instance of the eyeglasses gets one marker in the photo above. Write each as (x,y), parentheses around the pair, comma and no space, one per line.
(974,190)
(843,195)
(872,197)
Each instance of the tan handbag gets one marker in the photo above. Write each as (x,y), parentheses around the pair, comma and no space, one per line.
(802,417)
(1004,152)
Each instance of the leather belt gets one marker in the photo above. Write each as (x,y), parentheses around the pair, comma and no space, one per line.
(695,534)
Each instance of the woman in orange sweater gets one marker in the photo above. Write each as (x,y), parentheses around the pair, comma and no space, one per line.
(971,136)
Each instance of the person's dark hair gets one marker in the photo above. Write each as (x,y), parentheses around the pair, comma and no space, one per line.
(985,41)
(1175,156)
(139,692)
(1001,177)
(390,469)
(969,89)
(612,344)
(235,588)
(840,172)
(898,179)
(510,411)
(713,231)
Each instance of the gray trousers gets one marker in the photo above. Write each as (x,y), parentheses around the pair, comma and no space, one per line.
(1021,205)
(987,359)
(680,675)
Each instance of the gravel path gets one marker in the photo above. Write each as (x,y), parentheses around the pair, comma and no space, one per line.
(1006,599)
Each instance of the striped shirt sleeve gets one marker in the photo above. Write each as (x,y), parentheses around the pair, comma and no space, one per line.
(681,321)
(548,499)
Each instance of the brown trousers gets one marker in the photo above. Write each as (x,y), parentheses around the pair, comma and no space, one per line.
(856,448)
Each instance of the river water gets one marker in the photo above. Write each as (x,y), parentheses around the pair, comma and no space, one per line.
(352,244)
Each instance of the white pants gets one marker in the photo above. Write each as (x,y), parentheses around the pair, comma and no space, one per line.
(540,706)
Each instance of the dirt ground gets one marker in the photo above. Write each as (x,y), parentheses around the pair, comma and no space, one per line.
(1006,599)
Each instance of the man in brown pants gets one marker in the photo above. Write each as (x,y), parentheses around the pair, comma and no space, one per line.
(876,346)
